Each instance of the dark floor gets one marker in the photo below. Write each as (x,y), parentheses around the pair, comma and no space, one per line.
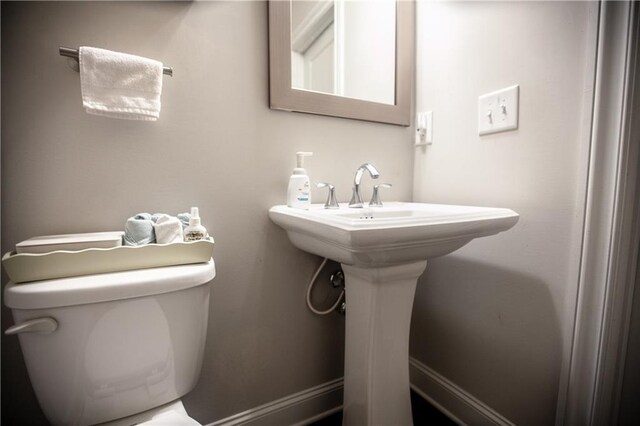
(423,414)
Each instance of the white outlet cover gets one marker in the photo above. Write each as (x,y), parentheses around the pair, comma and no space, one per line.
(498,111)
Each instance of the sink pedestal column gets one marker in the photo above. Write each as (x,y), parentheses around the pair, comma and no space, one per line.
(378,318)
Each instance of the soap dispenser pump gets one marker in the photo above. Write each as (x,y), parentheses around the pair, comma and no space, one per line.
(299,190)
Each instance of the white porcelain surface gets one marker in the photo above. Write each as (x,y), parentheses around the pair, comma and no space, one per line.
(172,414)
(396,233)
(106,287)
(383,252)
(114,358)
(376,377)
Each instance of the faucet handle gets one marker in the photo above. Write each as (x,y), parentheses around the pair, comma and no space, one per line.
(375,197)
(331,202)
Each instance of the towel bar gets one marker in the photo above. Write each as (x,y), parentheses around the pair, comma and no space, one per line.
(73,54)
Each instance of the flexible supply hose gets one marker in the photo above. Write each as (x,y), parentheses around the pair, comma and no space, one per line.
(310,287)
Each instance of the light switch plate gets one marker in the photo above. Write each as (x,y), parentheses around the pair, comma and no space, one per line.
(424,128)
(498,111)
(429,127)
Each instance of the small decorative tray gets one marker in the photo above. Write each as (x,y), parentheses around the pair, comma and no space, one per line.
(24,267)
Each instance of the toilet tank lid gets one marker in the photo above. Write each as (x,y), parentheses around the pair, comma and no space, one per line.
(107,287)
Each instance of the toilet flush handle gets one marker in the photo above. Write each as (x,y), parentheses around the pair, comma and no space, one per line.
(44,325)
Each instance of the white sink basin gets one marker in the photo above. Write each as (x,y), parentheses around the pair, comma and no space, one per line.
(393,234)
(383,252)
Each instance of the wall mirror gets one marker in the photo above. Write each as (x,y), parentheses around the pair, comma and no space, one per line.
(343,58)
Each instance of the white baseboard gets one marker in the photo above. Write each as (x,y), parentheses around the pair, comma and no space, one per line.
(313,404)
(299,409)
(459,405)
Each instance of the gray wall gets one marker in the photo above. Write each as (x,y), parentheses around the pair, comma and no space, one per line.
(217,146)
(496,317)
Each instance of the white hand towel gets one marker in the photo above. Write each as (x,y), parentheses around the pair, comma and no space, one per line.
(168,229)
(120,85)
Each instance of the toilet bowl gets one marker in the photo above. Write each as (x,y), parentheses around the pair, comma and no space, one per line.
(172,414)
(119,349)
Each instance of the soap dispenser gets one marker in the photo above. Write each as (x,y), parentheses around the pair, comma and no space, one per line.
(299,190)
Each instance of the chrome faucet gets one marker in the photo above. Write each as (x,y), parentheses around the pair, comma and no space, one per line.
(356,201)
(332,202)
(375,197)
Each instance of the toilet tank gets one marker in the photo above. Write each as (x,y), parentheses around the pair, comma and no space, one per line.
(125,342)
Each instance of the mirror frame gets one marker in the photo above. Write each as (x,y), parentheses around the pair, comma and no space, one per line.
(284,97)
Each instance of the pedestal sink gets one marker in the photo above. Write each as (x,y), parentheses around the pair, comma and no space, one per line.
(383,252)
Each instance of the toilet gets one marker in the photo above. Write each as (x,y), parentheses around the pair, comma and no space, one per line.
(114,349)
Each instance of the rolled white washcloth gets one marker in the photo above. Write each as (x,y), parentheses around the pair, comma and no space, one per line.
(138,230)
(168,229)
